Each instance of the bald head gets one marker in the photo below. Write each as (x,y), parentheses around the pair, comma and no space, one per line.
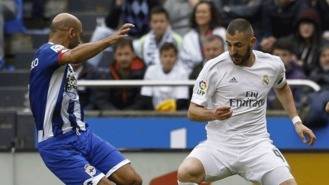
(65,21)
(240,26)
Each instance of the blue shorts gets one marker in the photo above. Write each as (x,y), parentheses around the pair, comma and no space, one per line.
(80,159)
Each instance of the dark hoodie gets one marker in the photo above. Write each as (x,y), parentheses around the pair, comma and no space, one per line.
(121,97)
(307,50)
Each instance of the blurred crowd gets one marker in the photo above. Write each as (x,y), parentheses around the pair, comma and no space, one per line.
(174,38)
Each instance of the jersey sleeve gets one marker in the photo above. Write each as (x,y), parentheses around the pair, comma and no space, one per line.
(281,76)
(204,87)
(56,53)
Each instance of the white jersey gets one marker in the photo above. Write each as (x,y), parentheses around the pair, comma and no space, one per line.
(159,94)
(244,89)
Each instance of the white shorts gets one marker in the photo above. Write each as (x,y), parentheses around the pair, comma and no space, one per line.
(252,163)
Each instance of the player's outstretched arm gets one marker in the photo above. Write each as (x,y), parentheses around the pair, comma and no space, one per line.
(287,101)
(88,50)
(327,107)
(200,113)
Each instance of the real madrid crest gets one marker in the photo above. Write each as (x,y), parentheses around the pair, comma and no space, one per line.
(266,80)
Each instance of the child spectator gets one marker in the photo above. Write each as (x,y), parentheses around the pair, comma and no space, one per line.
(166,98)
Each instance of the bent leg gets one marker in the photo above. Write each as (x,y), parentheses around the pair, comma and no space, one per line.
(112,163)
(69,165)
(191,170)
(204,163)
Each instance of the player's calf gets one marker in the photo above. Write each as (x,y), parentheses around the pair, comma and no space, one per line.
(190,172)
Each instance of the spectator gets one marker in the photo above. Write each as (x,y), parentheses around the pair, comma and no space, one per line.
(85,71)
(314,113)
(284,49)
(38,14)
(132,11)
(204,21)
(180,11)
(248,9)
(148,46)
(212,46)
(126,66)
(104,28)
(322,7)
(165,98)
(101,31)
(278,18)
(14,24)
(315,106)
(307,39)
(321,74)
(137,13)
(7,12)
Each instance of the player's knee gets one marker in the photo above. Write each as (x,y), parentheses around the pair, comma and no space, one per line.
(190,172)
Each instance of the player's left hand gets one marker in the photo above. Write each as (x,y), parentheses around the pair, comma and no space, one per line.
(305,133)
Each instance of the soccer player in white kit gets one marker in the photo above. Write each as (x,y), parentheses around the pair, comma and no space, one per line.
(230,93)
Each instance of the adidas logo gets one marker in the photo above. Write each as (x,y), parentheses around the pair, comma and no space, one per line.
(233,80)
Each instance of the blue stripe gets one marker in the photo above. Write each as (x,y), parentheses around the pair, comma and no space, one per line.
(40,77)
(72,117)
(57,121)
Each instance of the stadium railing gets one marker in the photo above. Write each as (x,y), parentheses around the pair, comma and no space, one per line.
(121,83)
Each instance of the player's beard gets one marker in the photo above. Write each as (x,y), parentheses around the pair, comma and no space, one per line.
(74,43)
(242,60)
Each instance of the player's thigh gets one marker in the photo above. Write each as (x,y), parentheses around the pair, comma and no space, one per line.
(279,176)
(70,166)
(110,161)
(204,163)
(260,160)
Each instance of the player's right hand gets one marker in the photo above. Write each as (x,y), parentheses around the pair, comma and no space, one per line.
(222,113)
(121,33)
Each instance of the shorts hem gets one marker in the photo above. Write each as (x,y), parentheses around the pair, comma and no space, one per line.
(116,167)
(98,178)
(280,180)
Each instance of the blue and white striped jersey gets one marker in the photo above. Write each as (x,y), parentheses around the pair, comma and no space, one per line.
(53,94)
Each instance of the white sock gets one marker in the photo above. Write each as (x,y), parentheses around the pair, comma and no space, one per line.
(186,183)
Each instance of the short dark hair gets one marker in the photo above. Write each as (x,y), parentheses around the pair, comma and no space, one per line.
(167,46)
(214,18)
(211,38)
(124,42)
(159,10)
(239,25)
(284,44)
(324,47)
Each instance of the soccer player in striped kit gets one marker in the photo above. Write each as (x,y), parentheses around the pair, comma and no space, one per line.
(74,154)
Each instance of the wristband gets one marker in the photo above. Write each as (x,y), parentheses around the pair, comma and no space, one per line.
(296,119)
